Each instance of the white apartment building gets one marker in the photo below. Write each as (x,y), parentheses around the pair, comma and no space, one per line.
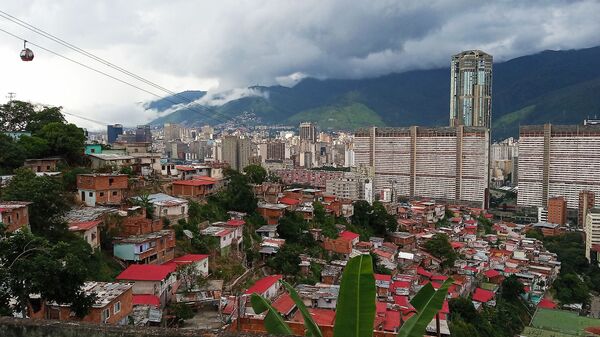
(592,235)
(558,160)
(449,163)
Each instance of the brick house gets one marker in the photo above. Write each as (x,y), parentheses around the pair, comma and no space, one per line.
(102,189)
(42,164)
(88,230)
(271,212)
(153,280)
(14,214)
(113,305)
(152,248)
(196,188)
(133,221)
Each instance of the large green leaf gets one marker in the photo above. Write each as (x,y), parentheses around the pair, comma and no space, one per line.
(427,302)
(274,323)
(312,329)
(356,302)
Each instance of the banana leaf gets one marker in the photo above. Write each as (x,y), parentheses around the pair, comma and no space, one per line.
(274,323)
(427,302)
(356,301)
(312,329)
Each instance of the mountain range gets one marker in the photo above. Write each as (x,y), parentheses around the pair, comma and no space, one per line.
(561,87)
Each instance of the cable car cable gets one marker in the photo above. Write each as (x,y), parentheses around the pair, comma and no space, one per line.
(39,31)
(95,70)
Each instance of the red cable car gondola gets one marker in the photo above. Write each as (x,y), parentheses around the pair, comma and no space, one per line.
(26,53)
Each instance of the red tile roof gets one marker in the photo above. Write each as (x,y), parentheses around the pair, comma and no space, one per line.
(263,284)
(236,222)
(402,301)
(186,259)
(380,307)
(439,278)
(546,304)
(289,201)
(383,277)
(482,295)
(284,304)
(320,316)
(144,299)
(146,272)
(392,320)
(348,235)
(193,182)
(424,272)
(491,273)
(83,226)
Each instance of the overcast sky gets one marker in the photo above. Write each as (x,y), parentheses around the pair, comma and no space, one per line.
(219,45)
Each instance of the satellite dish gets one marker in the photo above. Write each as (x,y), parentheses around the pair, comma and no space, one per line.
(188,233)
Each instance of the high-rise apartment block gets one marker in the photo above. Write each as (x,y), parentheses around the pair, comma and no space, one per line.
(113,132)
(308,131)
(471,89)
(586,202)
(237,152)
(450,163)
(592,235)
(558,160)
(557,210)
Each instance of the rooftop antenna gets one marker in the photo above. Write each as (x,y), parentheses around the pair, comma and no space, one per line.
(11,96)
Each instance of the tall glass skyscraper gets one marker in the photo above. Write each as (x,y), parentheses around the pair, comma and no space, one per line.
(471,89)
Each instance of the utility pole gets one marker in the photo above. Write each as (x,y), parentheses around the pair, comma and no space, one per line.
(11,96)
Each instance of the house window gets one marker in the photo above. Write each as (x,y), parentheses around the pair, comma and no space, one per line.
(183,210)
(117,307)
(91,194)
(114,193)
(110,181)
(105,315)
(17,216)
(48,167)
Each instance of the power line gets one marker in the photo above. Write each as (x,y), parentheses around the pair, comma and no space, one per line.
(47,35)
(93,69)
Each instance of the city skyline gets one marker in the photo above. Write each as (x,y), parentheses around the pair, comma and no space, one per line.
(430,35)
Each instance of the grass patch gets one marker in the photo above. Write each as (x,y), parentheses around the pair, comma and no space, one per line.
(535,332)
(564,322)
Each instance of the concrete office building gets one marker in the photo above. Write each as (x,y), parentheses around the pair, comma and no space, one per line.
(113,132)
(558,160)
(586,202)
(449,163)
(308,131)
(143,134)
(236,151)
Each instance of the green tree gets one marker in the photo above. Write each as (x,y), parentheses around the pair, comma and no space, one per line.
(181,311)
(512,288)
(292,227)
(440,247)
(32,265)
(571,289)
(65,140)
(69,177)
(33,147)
(48,198)
(324,221)
(287,260)
(16,116)
(238,195)
(256,174)
(11,155)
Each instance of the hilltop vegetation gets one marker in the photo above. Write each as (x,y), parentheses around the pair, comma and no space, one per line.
(552,86)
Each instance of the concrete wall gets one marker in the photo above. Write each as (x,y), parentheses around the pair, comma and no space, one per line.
(15,327)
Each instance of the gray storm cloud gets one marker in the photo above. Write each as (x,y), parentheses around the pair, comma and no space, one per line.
(233,44)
